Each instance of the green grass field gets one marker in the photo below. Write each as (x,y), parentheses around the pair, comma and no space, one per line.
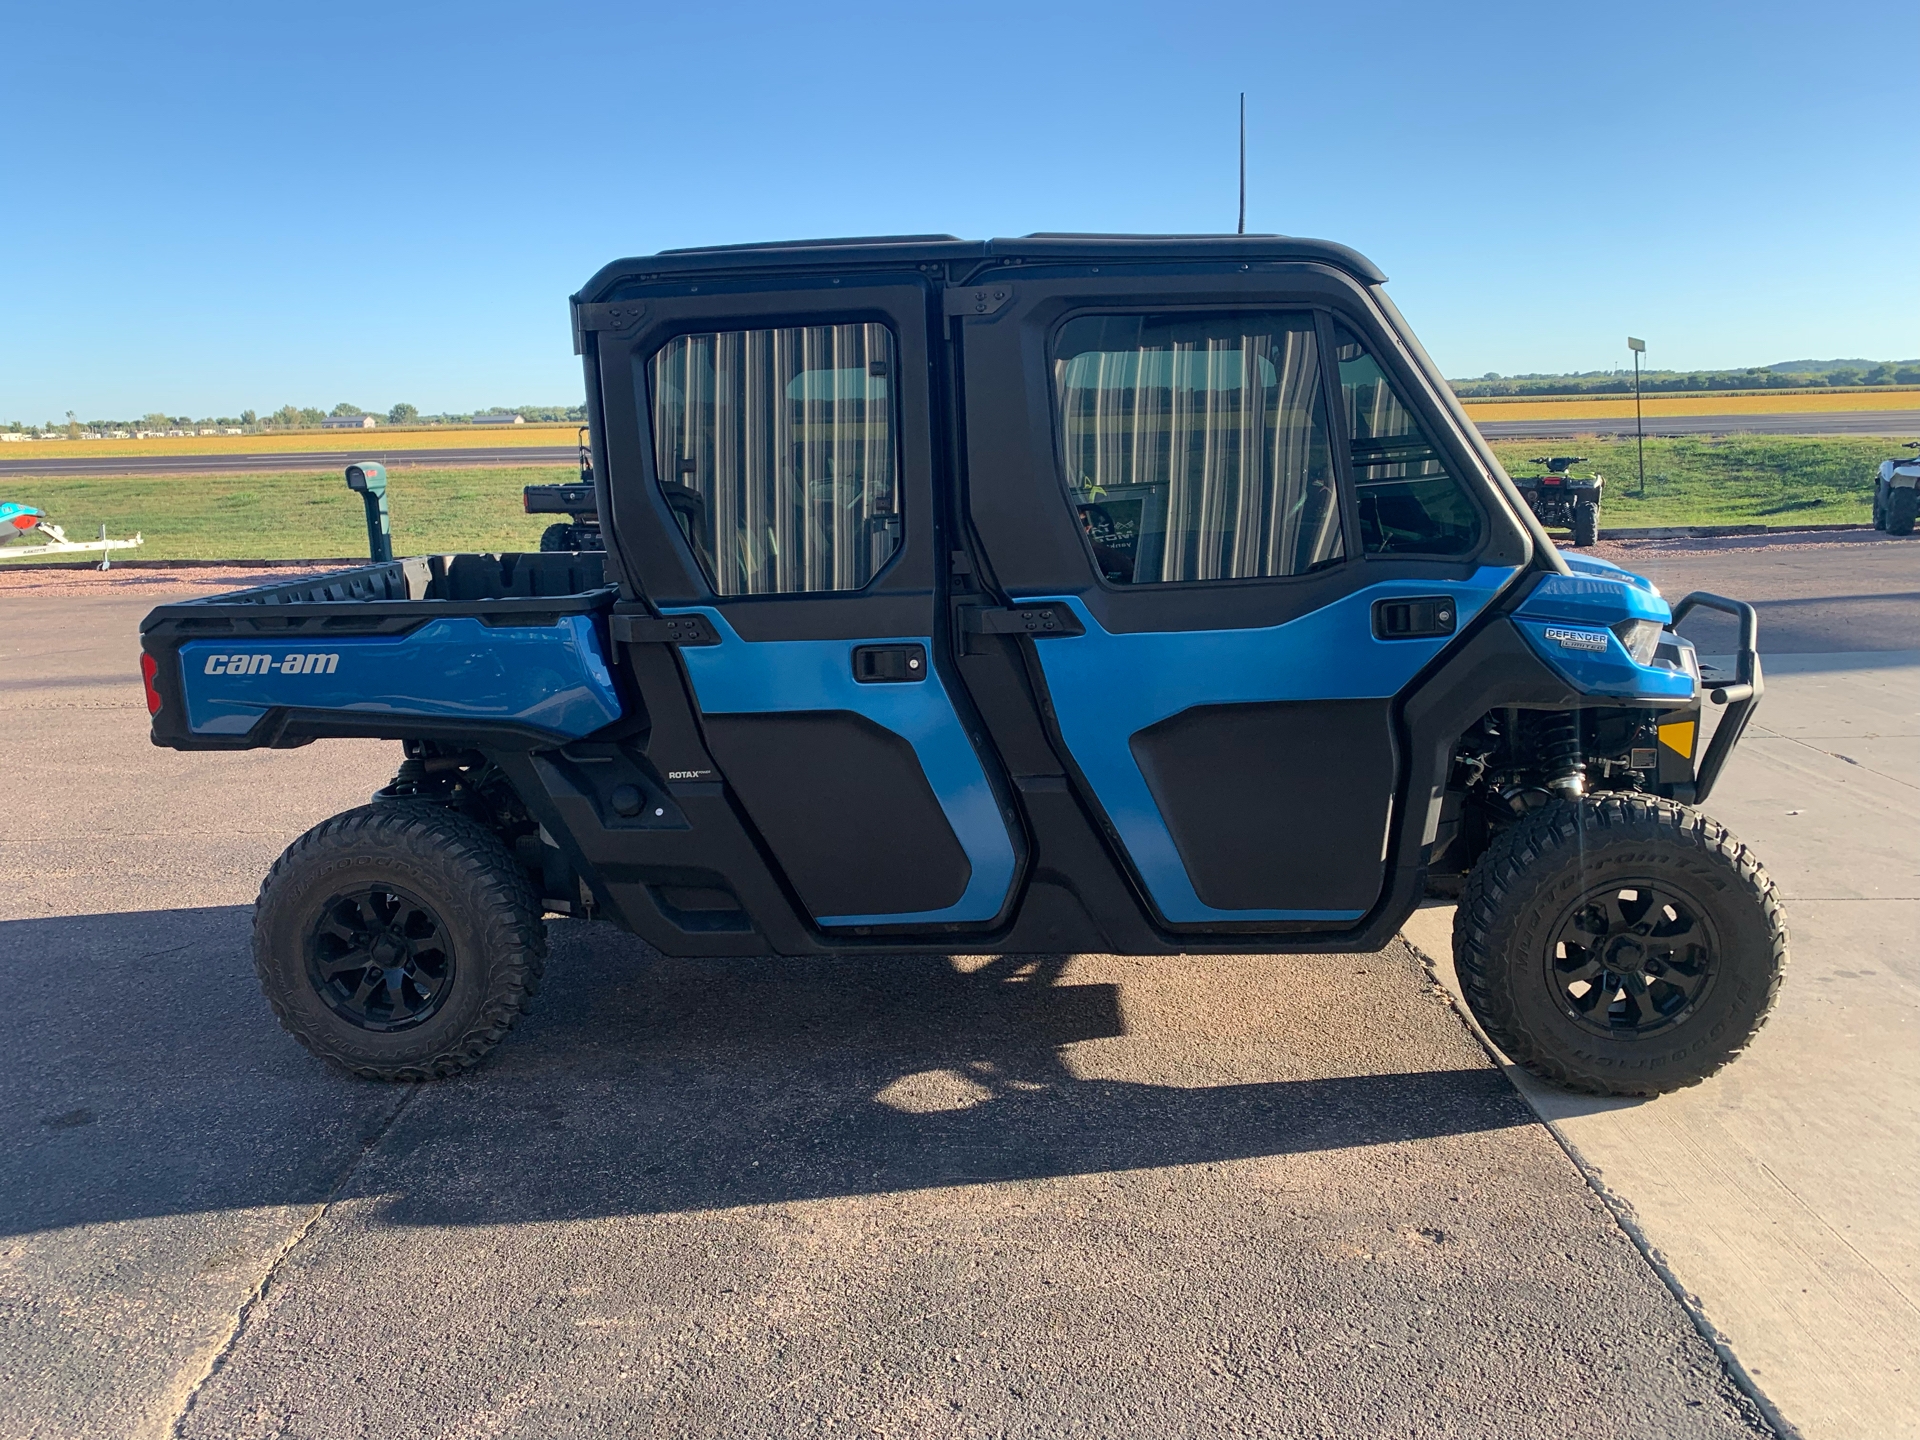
(1738,480)
(1741,480)
(289,515)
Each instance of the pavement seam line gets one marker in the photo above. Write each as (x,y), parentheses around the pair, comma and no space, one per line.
(1848,759)
(176,1425)
(1623,1216)
(1815,1218)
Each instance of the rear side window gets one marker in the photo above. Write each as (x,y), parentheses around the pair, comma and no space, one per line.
(1197,447)
(1409,502)
(776,451)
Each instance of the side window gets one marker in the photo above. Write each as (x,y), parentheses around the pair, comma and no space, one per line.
(776,451)
(1197,447)
(1408,501)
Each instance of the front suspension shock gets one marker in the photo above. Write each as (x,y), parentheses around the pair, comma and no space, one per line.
(1560,753)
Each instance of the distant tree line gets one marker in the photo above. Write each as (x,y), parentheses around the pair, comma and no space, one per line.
(292,417)
(1792,375)
(296,417)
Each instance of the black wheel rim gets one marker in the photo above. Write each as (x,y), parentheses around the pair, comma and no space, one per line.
(1631,959)
(380,958)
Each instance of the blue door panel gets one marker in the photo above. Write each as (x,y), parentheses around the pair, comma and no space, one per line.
(1108,687)
(739,677)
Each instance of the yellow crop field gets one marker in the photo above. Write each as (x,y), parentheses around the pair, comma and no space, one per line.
(1615,407)
(382,440)
(372,443)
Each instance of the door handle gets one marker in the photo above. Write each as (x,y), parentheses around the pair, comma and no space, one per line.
(889,664)
(1414,617)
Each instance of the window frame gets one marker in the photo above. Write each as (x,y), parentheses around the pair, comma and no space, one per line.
(643,365)
(1336,442)
(1409,400)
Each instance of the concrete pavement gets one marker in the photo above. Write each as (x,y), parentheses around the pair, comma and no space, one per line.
(1073,1195)
(1782,1192)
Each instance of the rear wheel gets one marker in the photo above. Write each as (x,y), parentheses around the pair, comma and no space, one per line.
(1619,945)
(1901,505)
(1879,508)
(558,537)
(398,941)
(1586,523)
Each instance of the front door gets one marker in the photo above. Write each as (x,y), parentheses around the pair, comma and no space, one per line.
(782,436)
(1240,501)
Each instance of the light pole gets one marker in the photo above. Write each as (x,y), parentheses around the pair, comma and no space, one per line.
(1639,348)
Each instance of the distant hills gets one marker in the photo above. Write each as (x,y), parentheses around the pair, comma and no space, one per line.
(1786,375)
(1824,367)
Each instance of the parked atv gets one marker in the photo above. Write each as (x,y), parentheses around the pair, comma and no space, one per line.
(1132,595)
(574,501)
(1564,500)
(1896,492)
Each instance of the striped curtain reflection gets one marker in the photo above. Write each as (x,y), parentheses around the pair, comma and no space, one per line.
(776,450)
(1387,441)
(1226,428)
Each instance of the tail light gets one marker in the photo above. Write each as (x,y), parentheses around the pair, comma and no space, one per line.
(149,668)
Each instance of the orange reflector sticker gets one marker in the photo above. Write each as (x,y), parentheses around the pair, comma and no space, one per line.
(1678,737)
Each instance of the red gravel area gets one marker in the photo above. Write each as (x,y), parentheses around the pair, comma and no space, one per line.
(162,585)
(1621,552)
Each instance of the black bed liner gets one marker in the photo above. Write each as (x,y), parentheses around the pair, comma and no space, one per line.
(495,588)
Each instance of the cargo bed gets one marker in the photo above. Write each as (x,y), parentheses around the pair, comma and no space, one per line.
(506,649)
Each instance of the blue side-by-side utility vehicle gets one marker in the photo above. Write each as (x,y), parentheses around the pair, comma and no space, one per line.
(1070,593)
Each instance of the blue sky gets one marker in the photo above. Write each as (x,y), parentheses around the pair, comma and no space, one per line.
(218,207)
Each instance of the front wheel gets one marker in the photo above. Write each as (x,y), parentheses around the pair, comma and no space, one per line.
(398,941)
(1619,945)
(1586,523)
(1901,505)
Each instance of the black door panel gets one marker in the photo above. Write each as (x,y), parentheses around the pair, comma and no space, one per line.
(1270,806)
(846,807)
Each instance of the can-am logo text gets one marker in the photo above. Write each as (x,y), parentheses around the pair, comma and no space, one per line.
(260,664)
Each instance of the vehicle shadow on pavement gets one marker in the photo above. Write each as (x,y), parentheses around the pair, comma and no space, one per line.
(147,1077)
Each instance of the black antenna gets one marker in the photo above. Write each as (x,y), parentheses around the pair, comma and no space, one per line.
(1243,164)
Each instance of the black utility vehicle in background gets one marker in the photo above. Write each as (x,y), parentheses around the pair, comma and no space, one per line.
(1895,492)
(1143,595)
(575,501)
(1571,502)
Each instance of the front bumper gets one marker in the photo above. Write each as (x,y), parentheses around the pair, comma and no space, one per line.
(1740,694)
(1579,625)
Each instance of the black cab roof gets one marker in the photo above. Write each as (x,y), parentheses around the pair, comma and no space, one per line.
(961,257)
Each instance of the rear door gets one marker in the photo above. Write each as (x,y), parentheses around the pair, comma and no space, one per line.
(1232,480)
(772,453)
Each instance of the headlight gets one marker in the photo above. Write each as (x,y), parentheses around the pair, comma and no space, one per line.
(1641,638)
